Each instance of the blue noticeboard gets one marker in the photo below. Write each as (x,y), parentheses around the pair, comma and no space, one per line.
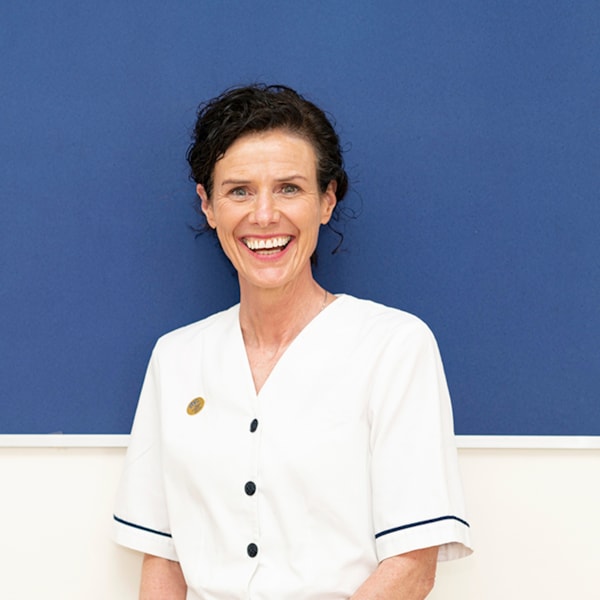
(472,136)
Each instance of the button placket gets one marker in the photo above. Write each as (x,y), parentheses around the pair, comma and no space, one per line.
(250,489)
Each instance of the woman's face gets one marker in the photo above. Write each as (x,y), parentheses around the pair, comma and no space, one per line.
(267,208)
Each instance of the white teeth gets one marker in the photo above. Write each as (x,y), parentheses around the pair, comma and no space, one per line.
(267,244)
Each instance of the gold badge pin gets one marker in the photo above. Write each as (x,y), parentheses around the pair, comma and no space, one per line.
(195,406)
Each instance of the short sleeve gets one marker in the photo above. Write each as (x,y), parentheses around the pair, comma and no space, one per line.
(141,519)
(417,495)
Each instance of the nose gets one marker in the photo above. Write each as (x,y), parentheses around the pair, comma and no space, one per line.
(264,209)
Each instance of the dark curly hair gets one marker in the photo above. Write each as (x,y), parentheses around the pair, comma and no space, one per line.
(257,108)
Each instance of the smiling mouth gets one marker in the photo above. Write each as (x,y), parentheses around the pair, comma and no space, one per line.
(267,246)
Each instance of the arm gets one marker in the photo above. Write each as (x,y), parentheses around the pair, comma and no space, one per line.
(162,579)
(407,576)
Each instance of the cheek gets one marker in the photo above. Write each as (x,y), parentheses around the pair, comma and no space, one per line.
(228,248)
(225,238)
(220,215)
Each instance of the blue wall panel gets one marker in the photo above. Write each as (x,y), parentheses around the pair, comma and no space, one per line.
(473,144)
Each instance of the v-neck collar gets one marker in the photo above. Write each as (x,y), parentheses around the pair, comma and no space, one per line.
(303,334)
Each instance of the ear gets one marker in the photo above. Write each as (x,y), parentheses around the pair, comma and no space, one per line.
(328,202)
(206,206)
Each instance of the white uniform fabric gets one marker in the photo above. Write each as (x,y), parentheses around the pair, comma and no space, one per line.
(344,458)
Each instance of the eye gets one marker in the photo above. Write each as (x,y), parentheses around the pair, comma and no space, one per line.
(289,188)
(238,192)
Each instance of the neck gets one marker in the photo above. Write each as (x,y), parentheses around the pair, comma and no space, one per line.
(272,318)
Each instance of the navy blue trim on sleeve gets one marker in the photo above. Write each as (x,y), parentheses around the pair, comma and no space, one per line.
(377,535)
(118,520)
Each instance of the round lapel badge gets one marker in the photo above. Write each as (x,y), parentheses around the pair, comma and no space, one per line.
(195,406)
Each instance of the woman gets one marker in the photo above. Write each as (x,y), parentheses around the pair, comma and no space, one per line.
(299,445)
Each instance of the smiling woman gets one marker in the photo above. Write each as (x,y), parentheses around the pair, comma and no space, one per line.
(292,481)
(267,209)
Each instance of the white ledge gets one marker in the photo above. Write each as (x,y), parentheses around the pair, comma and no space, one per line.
(534,442)
(543,442)
(63,441)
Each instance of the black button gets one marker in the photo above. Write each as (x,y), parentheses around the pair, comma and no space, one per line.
(250,488)
(253,425)
(252,550)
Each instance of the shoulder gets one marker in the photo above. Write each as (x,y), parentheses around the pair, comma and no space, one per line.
(197,332)
(375,320)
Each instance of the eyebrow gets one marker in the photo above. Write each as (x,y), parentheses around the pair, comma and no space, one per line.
(278,179)
(234,181)
(291,178)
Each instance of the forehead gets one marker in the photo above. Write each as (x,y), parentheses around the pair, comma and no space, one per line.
(275,149)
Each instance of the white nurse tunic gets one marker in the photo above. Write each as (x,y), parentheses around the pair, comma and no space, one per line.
(344,458)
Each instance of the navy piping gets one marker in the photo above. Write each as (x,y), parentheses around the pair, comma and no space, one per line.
(377,535)
(140,527)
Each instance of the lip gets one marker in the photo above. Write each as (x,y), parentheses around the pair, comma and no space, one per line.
(267,256)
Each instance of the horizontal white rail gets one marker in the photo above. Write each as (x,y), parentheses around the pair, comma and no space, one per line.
(548,442)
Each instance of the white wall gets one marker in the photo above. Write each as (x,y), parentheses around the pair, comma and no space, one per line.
(535,516)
